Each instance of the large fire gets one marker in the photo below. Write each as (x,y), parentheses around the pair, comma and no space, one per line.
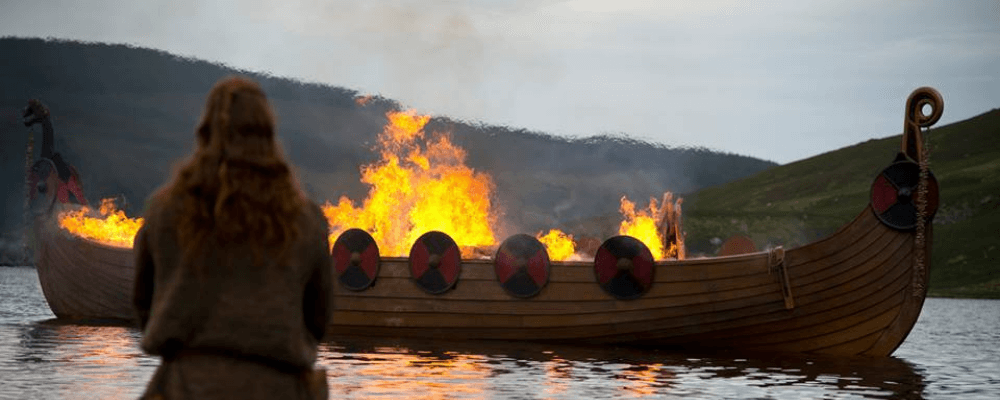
(559,245)
(643,225)
(420,184)
(113,227)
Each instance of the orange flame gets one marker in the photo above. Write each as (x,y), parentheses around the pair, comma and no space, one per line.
(559,245)
(642,225)
(419,185)
(113,228)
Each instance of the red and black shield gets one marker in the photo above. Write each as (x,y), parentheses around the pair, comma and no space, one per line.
(894,195)
(435,262)
(356,259)
(624,267)
(737,244)
(522,265)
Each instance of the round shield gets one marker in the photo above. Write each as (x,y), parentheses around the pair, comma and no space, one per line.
(43,182)
(624,267)
(356,259)
(894,195)
(522,265)
(435,262)
(737,244)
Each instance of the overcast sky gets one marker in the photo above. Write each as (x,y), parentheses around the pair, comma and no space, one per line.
(779,80)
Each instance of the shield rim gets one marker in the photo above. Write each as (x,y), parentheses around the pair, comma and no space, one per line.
(548,266)
(931,183)
(458,272)
(378,259)
(644,250)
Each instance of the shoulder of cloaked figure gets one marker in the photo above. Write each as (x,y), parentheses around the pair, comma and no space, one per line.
(156,205)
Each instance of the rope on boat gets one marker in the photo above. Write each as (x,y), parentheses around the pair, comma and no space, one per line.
(916,145)
(28,155)
(920,239)
(777,264)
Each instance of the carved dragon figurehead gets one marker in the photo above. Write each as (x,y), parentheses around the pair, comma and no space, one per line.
(51,178)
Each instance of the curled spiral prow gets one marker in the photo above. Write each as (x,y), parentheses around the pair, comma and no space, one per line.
(921,97)
(916,118)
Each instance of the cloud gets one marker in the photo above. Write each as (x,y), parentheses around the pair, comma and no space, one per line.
(746,77)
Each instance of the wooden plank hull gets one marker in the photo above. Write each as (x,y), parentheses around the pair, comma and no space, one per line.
(854,293)
(82,279)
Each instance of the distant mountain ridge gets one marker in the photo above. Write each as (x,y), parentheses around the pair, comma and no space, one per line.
(125,115)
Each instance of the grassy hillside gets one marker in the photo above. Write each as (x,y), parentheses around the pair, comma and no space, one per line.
(799,202)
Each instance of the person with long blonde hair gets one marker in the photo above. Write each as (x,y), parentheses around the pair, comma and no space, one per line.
(233,284)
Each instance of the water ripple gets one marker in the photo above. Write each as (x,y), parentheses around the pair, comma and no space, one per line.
(951,353)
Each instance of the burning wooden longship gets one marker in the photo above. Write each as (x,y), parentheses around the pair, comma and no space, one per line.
(856,292)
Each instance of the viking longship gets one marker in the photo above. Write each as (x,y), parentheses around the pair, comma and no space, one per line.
(857,292)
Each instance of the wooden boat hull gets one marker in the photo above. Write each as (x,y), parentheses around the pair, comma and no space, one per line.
(855,292)
(83,279)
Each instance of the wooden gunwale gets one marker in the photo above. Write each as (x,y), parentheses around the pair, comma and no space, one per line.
(506,304)
(481,271)
(643,317)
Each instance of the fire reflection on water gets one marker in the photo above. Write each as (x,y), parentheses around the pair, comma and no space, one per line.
(397,373)
(79,361)
(520,370)
(950,354)
(57,360)
(364,368)
(644,380)
(558,374)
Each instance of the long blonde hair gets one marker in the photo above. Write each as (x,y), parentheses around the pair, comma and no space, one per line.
(237,185)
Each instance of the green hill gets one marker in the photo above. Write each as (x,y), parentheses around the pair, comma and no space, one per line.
(799,202)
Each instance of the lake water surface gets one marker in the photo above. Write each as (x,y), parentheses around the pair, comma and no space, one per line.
(952,352)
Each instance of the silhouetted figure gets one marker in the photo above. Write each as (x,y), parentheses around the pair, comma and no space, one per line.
(233,285)
(69,181)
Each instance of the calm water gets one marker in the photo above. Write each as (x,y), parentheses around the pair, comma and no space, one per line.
(953,352)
